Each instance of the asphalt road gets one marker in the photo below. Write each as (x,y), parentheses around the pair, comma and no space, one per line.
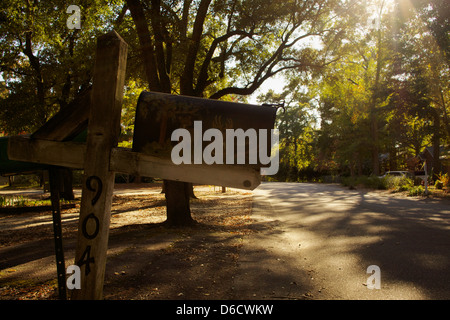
(316,241)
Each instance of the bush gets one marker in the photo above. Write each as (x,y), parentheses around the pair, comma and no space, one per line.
(398,183)
(439,185)
(417,191)
(395,183)
(375,183)
(347,181)
(371,182)
(27,180)
(445,180)
(14,201)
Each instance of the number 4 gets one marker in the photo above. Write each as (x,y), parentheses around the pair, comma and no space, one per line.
(87,260)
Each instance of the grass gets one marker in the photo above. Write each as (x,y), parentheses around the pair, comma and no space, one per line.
(416,191)
(14,201)
(19,186)
(20,201)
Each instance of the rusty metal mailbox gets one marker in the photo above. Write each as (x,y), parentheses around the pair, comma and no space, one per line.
(159,115)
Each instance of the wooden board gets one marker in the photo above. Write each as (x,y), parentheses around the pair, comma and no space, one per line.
(72,154)
(68,122)
(241,177)
(65,154)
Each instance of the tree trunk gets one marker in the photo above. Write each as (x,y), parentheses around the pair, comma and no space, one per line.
(177,203)
(373,111)
(191,191)
(177,193)
(359,164)
(436,165)
(67,184)
(375,150)
(39,80)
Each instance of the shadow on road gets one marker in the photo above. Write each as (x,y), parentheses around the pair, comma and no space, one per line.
(348,230)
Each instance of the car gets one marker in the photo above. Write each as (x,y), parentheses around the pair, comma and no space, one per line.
(406,174)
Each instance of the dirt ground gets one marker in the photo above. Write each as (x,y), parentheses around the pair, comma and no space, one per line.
(146,259)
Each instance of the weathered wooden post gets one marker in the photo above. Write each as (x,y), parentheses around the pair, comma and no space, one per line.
(103,132)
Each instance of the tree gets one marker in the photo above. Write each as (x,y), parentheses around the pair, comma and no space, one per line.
(388,93)
(295,122)
(345,97)
(44,64)
(351,99)
(213,49)
(420,77)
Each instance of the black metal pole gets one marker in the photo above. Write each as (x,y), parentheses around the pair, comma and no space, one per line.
(54,177)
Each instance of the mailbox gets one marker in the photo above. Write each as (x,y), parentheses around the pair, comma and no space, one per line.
(159,115)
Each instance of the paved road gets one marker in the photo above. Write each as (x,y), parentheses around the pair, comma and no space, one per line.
(316,241)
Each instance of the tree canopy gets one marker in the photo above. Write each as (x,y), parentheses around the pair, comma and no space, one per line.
(384,98)
(366,82)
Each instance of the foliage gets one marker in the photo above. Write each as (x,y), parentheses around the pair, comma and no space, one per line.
(372,182)
(44,64)
(398,183)
(295,124)
(366,83)
(15,201)
(439,185)
(443,181)
(393,183)
(20,201)
(416,191)
(25,181)
(386,97)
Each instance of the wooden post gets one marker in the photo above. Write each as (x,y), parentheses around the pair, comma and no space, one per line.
(103,132)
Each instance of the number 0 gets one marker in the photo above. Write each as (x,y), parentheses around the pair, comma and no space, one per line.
(84,227)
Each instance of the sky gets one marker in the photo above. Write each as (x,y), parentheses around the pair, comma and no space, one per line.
(275,83)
